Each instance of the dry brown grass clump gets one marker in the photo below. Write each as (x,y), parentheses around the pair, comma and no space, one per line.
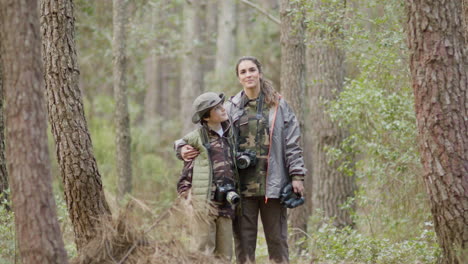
(128,239)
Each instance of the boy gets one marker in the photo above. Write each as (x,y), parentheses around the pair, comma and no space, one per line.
(212,176)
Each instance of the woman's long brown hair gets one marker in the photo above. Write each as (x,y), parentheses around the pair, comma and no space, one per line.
(266,86)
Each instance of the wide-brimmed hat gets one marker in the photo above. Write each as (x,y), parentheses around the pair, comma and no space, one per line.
(204,103)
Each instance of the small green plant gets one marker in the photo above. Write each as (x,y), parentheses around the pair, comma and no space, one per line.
(7,233)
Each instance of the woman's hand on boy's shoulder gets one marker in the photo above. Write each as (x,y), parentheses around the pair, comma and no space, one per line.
(188,153)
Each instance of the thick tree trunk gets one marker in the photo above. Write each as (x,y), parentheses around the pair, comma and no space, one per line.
(37,229)
(293,86)
(438,63)
(82,183)
(3,170)
(192,74)
(122,119)
(226,39)
(331,188)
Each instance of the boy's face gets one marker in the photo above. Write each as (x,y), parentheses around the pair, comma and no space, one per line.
(217,114)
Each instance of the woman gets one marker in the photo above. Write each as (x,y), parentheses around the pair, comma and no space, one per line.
(268,135)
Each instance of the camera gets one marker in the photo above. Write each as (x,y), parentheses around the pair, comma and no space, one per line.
(227,192)
(290,199)
(246,158)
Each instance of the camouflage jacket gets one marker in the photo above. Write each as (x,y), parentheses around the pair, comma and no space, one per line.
(253,137)
(285,158)
(215,166)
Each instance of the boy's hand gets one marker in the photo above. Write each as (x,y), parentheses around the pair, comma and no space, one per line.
(188,153)
(298,187)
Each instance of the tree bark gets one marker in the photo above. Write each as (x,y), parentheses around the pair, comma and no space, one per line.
(293,85)
(331,187)
(122,118)
(82,183)
(192,74)
(226,39)
(465,18)
(438,63)
(37,228)
(3,171)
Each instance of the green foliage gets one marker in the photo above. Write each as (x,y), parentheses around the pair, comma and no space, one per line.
(65,226)
(151,153)
(376,108)
(7,234)
(332,245)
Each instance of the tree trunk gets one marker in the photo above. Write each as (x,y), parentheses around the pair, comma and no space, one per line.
(122,119)
(192,74)
(208,36)
(331,188)
(465,19)
(226,39)
(438,64)
(3,171)
(81,179)
(37,228)
(293,86)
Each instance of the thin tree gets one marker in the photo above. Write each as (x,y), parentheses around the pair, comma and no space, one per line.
(3,171)
(331,188)
(122,119)
(192,74)
(37,228)
(438,63)
(293,83)
(226,38)
(82,183)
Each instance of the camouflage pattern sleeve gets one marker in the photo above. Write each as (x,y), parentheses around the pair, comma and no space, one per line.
(185,180)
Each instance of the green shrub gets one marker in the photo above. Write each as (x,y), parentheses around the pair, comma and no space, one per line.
(7,234)
(332,245)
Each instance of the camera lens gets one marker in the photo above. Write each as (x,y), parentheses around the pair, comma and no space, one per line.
(243,162)
(233,198)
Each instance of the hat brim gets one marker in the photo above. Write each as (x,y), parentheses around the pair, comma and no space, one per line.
(198,115)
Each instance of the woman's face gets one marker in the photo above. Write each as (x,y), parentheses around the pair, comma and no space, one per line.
(248,74)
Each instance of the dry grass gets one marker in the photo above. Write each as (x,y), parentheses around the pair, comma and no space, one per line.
(137,236)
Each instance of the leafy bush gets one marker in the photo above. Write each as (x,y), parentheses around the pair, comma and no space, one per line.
(332,245)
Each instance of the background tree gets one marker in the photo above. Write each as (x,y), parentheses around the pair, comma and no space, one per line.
(38,232)
(326,70)
(192,74)
(293,84)
(226,39)
(438,62)
(122,118)
(83,189)
(3,171)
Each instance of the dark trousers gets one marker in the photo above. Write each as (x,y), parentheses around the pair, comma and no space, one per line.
(274,220)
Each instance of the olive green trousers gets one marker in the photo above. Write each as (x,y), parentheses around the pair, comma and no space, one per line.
(213,236)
